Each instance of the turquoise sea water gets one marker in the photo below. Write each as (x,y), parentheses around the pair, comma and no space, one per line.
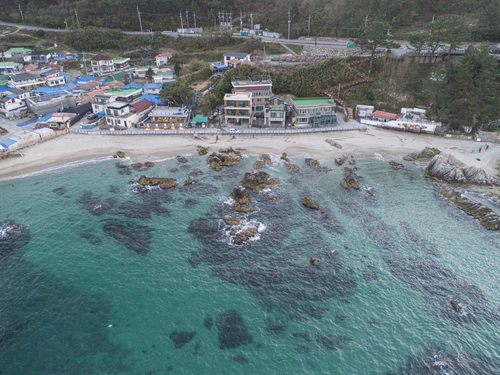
(104,291)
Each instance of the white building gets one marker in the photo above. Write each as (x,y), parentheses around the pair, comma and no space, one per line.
(238,109)
(26,80)
(163,58)
(236,55)
(101,65)
(122,114)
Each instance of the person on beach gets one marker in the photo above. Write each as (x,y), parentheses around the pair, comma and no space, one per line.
(479,149)
(216,138)
(487,147)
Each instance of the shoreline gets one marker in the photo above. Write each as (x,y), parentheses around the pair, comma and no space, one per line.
(74,149)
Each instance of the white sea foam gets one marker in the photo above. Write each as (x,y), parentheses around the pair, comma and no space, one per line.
(379,157)
(63,167)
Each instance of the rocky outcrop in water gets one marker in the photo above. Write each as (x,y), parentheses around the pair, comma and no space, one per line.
(293,167)
(232,330)
(232,220)
(486,216)
(284,157)
(12,237)
(189,181)
(426,153)
(267,159)
(447,168)
(258,180)
(242,208)
(396,165)
(308,202)
(341,160)
(314,261)
(316,165)
(220,160)
(240,195)
(349,182)
(95,205)
(239,237)
(163,182)
(332,342)
(120,154)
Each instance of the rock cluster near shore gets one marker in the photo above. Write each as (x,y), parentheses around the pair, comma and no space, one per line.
(315,164)
(486,216)
(308,202)
(447,168)
(163,182)
(426,153)
(396,165)
(223,158)
(349,182)
(258,180)
(240,195)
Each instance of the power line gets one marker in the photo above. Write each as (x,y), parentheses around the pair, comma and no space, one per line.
(139,14)
(182,27)
(77,21)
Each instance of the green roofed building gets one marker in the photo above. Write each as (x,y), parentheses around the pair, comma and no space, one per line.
(115,77)
(313,112)
(198,120)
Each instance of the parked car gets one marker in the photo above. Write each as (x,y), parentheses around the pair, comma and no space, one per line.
(92,116)
(233,130)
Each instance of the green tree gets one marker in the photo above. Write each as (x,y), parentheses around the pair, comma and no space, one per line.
(418,41)
(149,75)
(177,68)
(179,94)
(126,78)
(456,32)
(435,35)
(470,91)
(375,36)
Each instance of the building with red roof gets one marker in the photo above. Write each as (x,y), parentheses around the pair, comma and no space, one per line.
(101,65)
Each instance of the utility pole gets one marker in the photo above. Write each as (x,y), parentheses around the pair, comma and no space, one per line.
(309,25)
(194,15)
(289,21)
(251,21)
(139,14)
(219,17)
(20,11)
(433,18)
(84,62)
(241,21)
(366,20)
(187,18)
(77,21)
(182,27)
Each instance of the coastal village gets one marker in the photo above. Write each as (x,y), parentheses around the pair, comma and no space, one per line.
(113,94)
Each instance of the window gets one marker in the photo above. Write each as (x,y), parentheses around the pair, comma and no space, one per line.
(259,108)
(243,112)
(311,110)
(302,111)
(318,110)
(108,112)
(115,112)
(242,104)
(276,115)
(302,119)
(231,112)
(119,121)
(231,103)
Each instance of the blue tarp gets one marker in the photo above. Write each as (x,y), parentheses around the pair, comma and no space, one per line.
(152,98)
(133,84)
(87,79)
(100,113)
(27,122)
(153,86)
(54,90)
(220,67)
(90,126)
(12,96)
(4,88)
(64,74)
(7,142)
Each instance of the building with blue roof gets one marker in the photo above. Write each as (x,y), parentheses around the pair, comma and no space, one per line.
(133,84)
(152,88)
(152,98)
(85,79)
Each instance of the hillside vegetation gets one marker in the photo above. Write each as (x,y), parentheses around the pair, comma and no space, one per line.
(328,18)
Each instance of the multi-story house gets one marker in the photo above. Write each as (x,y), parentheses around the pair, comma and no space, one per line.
(53,78)
(101,101)
(236,55)
(122,63)
(163,117)
(313,112)
(26,81)
(127,115)
(275,112)
(238,109)
(101,65)
(162,58)
(260,88)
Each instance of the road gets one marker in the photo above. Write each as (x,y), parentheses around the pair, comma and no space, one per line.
(320,43)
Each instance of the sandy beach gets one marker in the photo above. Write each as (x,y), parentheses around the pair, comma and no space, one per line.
(73,148)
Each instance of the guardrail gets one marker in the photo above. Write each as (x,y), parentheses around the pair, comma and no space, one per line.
(205,132)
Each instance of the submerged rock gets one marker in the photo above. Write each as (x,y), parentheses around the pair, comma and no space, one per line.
(332,342)
(304,335)
(456,306)
(370,273)
(208,322)
(12,237)
(149,164)
(447,168)
(240,358)
(240,195)
(190,202)
(232,330)
(182,159)
(181,338)
(133,236)
(173,170)
(94,205)
(341,160)
(189,181)
(59,191)
(314,261)
(275,327)
(308,202)
(267,159)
